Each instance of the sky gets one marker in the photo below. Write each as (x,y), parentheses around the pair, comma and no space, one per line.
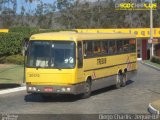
(30,5)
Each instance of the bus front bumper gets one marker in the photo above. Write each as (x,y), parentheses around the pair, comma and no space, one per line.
(56,89)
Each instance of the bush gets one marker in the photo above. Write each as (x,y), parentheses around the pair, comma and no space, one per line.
(10,43)
(13,59)
(155,59)
(26,31)
(2,60)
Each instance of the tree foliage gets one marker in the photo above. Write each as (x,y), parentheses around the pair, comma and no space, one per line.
(102,14)
(72,14)
(10,43)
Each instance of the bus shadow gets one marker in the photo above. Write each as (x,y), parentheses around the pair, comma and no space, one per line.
(52,98)
(103,90)
(68,98)
(129,82)
(109,88)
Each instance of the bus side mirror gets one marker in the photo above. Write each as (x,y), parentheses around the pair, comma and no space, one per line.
(25,46)
(26,52)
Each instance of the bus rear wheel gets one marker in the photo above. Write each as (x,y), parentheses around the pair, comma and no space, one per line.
(119,80)
(124,80)
(87,88)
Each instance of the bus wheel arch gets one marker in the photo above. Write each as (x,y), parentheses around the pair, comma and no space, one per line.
(125,77)
(87,87)
(88,78)
(119,78)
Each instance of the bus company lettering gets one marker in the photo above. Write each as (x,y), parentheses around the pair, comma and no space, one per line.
(144,33)
(101,61)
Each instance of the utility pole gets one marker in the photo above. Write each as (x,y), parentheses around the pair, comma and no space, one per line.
(151,28)
(0,20)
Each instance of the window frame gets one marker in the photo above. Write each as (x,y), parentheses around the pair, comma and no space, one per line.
(82,52)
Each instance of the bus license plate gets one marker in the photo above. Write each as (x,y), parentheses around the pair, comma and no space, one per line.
(48,89)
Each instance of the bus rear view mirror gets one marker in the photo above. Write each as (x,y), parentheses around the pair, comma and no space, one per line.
(25,46)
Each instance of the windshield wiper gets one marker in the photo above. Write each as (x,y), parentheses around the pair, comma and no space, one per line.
(37,67)
(55,66)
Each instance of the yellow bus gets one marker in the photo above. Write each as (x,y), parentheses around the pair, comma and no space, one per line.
(79,63)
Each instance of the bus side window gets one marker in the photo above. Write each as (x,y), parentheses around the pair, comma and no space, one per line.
(104,47)
(132,45)
(84,49)
(126,46)
(97,47)
(112,47)
(80,55)
(119,46)
(88,48)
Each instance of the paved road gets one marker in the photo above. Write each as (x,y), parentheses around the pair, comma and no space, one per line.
(134,98)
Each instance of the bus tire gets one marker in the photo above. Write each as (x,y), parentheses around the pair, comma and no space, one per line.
(118,80)
(46,97)
(124,79)
(87,92)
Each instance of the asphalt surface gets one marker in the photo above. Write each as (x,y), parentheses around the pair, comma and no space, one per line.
(134,98)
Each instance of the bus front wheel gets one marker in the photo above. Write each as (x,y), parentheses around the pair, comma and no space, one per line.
(87,88)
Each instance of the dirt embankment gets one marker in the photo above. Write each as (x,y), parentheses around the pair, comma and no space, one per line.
(6,65)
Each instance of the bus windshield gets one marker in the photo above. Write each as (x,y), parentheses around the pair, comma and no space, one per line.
(51,54)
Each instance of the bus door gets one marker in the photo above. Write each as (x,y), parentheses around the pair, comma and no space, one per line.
(80,72)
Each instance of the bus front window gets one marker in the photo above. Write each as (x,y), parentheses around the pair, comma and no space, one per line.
(50,54)
(62,54)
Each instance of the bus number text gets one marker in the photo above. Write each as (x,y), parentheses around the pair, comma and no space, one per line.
(101,61)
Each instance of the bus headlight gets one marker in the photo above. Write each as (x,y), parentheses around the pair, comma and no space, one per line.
(29,88)
(68,89)
(34,89)
(63,89)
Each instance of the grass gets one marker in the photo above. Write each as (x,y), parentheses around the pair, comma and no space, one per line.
(151,63)
(11,74)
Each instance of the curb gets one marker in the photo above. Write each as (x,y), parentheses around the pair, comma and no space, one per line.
(149,65)
(152,110)
(12,90)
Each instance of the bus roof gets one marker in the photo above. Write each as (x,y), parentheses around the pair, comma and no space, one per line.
(75,36)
